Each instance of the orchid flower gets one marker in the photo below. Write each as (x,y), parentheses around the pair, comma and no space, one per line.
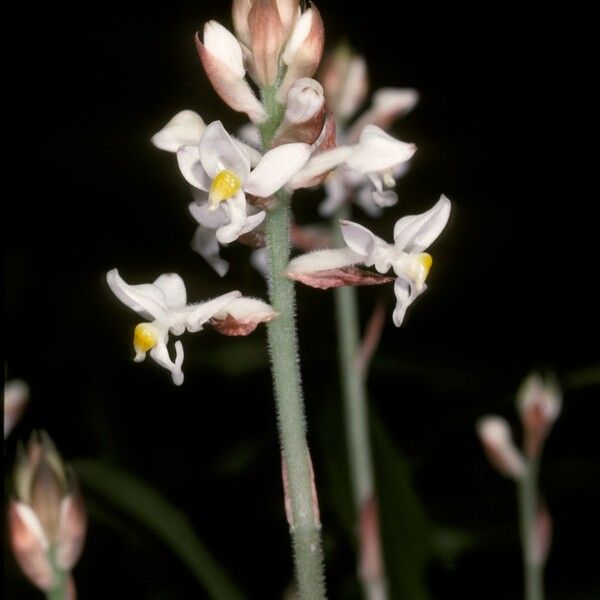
(164,304)
(406,257)
(220,168)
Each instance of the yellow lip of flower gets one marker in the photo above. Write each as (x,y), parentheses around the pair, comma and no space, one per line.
(425,260)
(144,337)
(225,185)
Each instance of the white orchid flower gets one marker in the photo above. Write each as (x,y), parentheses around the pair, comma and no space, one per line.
(219,167)
(164,304)
(377,155)
(412,235)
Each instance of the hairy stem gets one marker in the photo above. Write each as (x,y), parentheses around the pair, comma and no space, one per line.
(283,351)
(60,589)
(528,501)
(356,415)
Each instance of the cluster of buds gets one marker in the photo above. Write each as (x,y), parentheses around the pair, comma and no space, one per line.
(46,516)
(538,403)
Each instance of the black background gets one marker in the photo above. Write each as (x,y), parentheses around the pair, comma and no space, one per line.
(501,129)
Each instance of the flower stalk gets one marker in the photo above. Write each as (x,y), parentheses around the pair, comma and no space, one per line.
(285,367)
(356,412)
(528,512)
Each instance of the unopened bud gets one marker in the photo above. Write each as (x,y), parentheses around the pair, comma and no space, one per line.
(305,114)
(266,38)
(539,404)
(345,81)
(16,394)
(47,520)
(304,49)
(494,433)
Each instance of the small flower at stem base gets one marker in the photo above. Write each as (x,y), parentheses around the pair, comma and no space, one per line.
(539,404)
(494,433)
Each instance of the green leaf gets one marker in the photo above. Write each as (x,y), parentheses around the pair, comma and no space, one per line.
(405,529)
(150,509)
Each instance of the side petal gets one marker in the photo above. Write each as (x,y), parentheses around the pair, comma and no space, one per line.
(197,315)
(378,151)
(184,129)
(223,45)
(218,151)
(146,299)
(211,219)
(358,238)
(160,354)
(236,219)
(205,244)
(233,89)
(415,233)
(322,260)
(173,288)
(276,168)
(188,159)
(318,165)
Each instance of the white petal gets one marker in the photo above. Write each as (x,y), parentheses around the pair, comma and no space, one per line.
(188,159)
(403,300)
(205,244)
(235,209)
(146,299)
(222,44)
(358,238)
(378,151)
(160,354)
(259,259)
(32,523)
(253,221)
(219,152)
(337,195)
(173,288)
(185,128)
(353,90)
(396,100)
(415,233)
(276,168)
(198,314)
(385,198)
(320,164)
(250,134)
(323,260)
(211,219)
(364,198)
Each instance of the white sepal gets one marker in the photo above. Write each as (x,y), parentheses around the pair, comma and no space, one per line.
(185,128)
(415,233)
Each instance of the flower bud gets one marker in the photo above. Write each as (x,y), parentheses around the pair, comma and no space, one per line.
(305,113)
(345,81)
(47,520)
(16,394)
(267,39)
(539,404)
(304,49)
(494,433)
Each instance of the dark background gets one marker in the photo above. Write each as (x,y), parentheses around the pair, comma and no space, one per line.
(501,130)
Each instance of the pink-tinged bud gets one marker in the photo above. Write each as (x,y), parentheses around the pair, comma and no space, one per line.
(16,394)
(242,316)
(539,404)
(222,58)
(240,10)
(47,513)
(370,567)
(304,115)
(304,49)
(267,38)
(542,539)
(345,81)
(494,433)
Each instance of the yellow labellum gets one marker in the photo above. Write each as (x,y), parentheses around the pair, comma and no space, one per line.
(144,337)
(426,262)
(225,185)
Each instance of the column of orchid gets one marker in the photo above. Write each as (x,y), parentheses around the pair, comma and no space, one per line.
(243,192)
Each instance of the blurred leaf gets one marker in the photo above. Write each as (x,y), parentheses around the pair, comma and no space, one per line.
(151,509)
(247,354)
(405,528)
(448,544)
(581,378)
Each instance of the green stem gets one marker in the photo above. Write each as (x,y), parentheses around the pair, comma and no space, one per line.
(528,500)
(283,351)
(61,578)
(355,396)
